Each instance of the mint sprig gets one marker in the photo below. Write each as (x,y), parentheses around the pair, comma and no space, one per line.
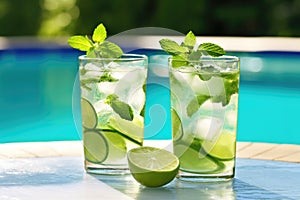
(98,46)
(187,50)
(186,54)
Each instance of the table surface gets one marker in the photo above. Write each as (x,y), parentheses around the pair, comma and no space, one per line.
(64,177)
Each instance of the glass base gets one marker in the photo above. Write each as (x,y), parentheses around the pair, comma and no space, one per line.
(107,169)
(204,178)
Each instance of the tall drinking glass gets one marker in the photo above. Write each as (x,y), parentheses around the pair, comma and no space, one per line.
(204,105)
(112,109)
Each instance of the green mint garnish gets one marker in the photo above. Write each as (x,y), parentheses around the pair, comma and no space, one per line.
(99,34)
(189,40)
(120,107)
(142,113)
(80,42)
(171,47)
(98,46)
(187,50)
(211,49)
(106,77)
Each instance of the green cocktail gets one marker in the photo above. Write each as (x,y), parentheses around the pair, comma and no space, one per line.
(112,104)
(204,104)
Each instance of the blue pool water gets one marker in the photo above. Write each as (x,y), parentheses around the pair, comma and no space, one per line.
(38,97)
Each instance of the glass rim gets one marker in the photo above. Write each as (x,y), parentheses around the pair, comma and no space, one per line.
(226,58)
(124,57)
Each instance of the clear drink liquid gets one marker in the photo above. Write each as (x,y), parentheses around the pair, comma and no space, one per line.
(204,105)
(112,103)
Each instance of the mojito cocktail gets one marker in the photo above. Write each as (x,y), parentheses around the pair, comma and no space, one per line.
(204,104)
(112,105)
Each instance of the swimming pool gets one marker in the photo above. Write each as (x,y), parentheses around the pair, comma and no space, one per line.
(37,94)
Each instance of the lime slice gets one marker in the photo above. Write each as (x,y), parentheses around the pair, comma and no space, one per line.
(132,129)
(95,147)
(223,148)
(116,147)
(194,161)
(177,130)
(88,114)
(152,167)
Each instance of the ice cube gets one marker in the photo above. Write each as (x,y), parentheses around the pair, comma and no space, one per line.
(91,67)
(104,112)
(107,87)
(206,128)
(137,100)
(102,107)
(215,86)
(198,86)
(129,84)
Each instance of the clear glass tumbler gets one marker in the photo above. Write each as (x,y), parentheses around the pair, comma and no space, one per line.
(112,110)
(204,108)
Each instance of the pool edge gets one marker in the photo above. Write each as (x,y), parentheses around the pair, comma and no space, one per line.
(251,150)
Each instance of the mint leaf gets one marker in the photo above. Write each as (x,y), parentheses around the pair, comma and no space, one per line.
(212,49)
(189,40)
(172,47)
(99,34)
(91,53)
(120,107)
(206,73)
(195,104)
(231,84)
(195,55)
(179,61)
(205,76)
(109,50)
(106,77)
(142,113)
(80,42)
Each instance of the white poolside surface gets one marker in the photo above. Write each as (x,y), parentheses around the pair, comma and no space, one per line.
(265,151)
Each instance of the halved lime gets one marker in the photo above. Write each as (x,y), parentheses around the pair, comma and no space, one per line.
(116,147)
(194,161)
(177,130)
(152,167)
(88,114)
(223,148)
(95,147)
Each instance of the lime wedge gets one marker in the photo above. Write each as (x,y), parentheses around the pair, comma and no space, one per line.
(194,161)
(223,148)
(152,167)
(88,114)
(177,130)
(132,129)
(95,147)
(116,147)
